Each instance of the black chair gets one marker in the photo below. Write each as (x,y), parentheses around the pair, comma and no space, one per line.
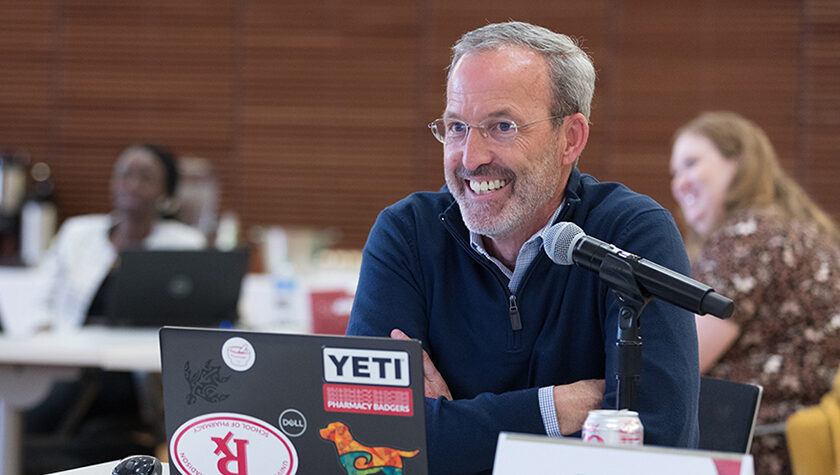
(727,414)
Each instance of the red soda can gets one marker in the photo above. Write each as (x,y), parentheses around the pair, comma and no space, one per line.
(613,427)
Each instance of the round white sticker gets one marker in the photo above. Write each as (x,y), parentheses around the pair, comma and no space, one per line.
(292,422)
(238,354)
(231,444)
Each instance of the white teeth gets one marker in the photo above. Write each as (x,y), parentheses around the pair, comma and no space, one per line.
(480,187)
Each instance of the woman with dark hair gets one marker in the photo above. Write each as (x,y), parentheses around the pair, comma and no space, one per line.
(79,266)
(78,273)
(758,238)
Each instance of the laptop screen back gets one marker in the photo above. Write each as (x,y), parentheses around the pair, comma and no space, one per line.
(264,403)
(198,288)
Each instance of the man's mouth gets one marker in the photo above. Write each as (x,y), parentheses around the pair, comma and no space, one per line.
(482,187)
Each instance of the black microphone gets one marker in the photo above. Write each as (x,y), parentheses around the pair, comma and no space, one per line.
(567,244)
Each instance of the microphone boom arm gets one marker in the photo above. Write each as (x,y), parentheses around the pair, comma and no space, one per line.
(619,277)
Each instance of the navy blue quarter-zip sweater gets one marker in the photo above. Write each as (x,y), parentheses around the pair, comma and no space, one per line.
(495,349)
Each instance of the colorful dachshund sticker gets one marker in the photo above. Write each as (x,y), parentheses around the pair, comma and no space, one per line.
(358,459)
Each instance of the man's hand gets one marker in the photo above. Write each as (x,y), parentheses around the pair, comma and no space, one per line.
(572,402)
(433,382)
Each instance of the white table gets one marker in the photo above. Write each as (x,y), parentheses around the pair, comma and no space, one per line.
(29,365)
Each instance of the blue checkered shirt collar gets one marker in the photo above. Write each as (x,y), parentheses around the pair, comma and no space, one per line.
(527,253)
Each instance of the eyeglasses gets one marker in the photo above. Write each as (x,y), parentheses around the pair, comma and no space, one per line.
(502,131)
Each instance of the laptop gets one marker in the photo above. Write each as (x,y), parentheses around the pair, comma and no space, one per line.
(240,402)
(727,413)
(198,288)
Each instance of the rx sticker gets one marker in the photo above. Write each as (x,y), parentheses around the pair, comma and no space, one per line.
(232,444)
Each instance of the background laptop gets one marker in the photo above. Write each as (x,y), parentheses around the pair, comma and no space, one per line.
(198,288)
(271,403)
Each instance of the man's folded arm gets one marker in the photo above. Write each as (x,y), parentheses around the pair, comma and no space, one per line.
(462,432)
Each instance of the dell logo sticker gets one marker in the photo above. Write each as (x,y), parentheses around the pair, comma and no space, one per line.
(378,367)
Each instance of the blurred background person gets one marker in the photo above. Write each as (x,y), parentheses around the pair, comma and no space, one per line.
(759,239)
(102,408)
(80,266)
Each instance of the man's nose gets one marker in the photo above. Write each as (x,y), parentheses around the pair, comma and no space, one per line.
(476,150)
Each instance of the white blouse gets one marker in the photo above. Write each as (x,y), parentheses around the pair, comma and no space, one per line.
(81,257)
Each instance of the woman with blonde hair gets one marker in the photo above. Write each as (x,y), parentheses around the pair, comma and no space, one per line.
(758,238)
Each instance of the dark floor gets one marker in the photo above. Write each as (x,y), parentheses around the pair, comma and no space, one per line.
(88,421)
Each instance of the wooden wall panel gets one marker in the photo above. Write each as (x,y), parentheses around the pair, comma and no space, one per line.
(26,53)
(315,112)
(709,56)
(819,108)
(328,111)
(130,73)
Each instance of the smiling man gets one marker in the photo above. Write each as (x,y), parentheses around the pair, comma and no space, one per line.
(513,341)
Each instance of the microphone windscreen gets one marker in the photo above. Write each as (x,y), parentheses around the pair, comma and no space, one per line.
(559,242)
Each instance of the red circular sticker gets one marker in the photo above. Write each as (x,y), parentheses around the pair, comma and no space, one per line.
(232,444)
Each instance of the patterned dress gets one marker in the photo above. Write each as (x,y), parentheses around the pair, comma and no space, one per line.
(785,280)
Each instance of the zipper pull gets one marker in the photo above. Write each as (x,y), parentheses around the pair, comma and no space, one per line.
(515,321)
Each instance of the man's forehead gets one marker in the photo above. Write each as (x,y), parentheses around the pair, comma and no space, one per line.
(510,58)
(499,76)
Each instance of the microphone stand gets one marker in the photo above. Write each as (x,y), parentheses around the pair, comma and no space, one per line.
(618,275)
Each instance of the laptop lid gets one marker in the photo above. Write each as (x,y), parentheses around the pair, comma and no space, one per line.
(198,288)
(727,413)
(239,402)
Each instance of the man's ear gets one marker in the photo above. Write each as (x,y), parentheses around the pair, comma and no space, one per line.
(575,130)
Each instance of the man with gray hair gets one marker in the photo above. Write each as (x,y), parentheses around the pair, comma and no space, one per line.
(514,342)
